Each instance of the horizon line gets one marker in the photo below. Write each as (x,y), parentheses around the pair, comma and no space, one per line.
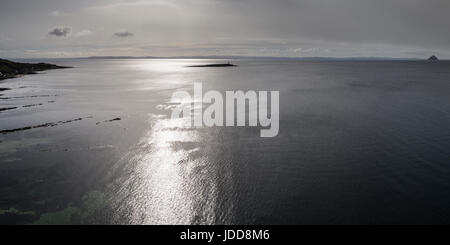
(232,57)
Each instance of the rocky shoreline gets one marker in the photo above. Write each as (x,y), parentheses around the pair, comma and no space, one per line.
(10,69)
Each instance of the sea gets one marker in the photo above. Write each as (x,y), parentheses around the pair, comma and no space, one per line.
(359,142)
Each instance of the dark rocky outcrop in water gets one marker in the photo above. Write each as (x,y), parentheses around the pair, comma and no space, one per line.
(10,69)
(45,125)
(215,65)
(433,58)
(7,108)
(112,120)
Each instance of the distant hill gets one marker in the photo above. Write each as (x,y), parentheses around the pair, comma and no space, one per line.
(433,58)
(10,69)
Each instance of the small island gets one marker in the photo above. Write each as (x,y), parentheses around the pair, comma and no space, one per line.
(215,65)
(433,58)
(10,69)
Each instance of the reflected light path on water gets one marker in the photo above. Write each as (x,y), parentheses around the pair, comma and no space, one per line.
(166,178)
(163,184)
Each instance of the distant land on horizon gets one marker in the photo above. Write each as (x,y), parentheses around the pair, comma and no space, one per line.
(233,57)
(253,57)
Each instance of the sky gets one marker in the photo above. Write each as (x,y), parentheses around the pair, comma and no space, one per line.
(282,28)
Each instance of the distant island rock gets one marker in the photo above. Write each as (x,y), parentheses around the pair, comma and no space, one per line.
(215,65)
(10,69)
(433,58)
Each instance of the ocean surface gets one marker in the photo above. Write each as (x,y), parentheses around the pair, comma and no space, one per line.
(359,143)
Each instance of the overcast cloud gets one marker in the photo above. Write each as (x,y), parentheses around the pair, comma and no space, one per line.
(60,31)
(123,34)
(296,28)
